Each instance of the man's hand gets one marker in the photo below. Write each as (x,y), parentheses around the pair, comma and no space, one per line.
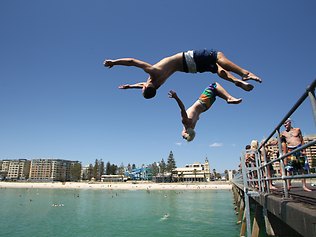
(108,63)
(172,94)
(126,86)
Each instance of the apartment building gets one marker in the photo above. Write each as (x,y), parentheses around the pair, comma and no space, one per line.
(311,151)
(51,169)
(15,169)
(5,165)
(19,169)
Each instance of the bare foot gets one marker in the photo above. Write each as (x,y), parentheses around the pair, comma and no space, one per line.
(233,100)
(273,188)
(251,76)
(244,85)
(306,189)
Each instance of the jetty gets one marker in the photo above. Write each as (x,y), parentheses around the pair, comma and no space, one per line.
(265,205)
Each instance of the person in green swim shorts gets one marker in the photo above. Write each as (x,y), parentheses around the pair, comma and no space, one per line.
(205,101)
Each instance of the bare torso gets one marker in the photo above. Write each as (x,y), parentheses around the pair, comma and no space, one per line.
(162,70)
(293,137)
(194,112)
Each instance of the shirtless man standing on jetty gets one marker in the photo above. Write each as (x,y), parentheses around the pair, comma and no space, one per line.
(192,61)
(291,139)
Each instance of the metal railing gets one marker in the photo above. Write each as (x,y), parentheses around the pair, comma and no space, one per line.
(255,178)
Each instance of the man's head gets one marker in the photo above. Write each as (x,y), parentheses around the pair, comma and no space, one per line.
(287,124)
(188,134)
(254,144)
(149,91)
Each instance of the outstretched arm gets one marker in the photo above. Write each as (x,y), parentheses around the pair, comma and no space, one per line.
(184,115)
(132,86)
(127,62)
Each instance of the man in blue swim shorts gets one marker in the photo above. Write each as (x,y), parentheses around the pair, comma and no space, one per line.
(192,114)
(191,61)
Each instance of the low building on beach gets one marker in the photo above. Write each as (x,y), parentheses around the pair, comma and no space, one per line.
(195,172)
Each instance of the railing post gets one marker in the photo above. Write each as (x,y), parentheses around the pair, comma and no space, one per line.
(258,166)
(286,193)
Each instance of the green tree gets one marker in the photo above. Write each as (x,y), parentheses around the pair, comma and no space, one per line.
(218,176)
(90,172)
(162,166)
(155,169)
(226,174)
(171,163)
(113,169)
(96,173)
(215,174)
(101,167)
(108,168)
(75,171)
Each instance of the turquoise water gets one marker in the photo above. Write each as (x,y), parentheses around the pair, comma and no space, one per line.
(93,213)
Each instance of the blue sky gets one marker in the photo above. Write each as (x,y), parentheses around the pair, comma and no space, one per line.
(58,101)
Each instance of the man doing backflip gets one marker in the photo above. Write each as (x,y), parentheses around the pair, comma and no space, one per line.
(192,61)
(205,101)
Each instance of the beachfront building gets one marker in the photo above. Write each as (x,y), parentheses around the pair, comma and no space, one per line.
(5,165)
(17,169)
(51,170)
(143,173)
(273,153)
(86,172)
(311,153)
(113,178)
(195,172)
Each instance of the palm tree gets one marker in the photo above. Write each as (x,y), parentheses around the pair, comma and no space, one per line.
(214,172)
(194,172)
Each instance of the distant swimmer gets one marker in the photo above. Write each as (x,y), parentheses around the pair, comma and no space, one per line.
(192,61)
(165,216)
(205,101)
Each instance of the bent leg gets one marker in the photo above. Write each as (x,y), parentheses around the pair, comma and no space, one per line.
(229,77)
(232,67)
(222,93)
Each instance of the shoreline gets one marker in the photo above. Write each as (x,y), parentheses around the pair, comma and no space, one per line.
(119,186)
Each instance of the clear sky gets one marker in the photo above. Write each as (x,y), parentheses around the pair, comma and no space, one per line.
(58,101)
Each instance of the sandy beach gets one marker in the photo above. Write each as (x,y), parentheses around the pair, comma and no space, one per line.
(119,186)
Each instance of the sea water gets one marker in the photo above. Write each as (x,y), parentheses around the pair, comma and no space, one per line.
(94,213)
